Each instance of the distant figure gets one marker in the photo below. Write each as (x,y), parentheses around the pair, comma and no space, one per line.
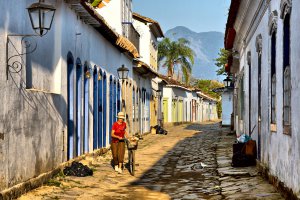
(118,134)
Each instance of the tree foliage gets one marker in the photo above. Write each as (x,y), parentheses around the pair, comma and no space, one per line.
(222,60)
(207,87)
(173,54)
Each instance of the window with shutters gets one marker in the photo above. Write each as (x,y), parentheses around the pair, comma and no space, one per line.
(273,78)
(286,76)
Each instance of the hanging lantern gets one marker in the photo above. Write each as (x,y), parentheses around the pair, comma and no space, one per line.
(227,82)
(41,16)
(123,72)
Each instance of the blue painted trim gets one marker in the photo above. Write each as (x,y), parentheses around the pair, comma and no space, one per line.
(86,114)
(111,102)
(100,111)
(115,101)
(70,99)
(95,112)
(104,109)
(78,105)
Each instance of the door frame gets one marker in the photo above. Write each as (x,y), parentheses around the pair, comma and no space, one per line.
(70,100)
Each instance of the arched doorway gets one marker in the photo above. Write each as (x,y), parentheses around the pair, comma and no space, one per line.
(100,109)
(70,99)
(95,112)
(104,108)
(86,109)
(78,106)
(111,103)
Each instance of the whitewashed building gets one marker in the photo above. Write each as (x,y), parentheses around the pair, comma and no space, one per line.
(182,104)
(227,104)
(60,101)
(264,39)
(145,95)
(227,107)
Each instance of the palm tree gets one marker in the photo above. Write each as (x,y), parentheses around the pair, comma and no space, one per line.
(176,53)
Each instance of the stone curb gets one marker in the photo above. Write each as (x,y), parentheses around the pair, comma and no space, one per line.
(280,186)
(24,187)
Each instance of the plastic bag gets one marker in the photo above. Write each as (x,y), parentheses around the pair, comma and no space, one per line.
(243,138)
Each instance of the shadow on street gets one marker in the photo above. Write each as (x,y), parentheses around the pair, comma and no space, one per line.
(188,171)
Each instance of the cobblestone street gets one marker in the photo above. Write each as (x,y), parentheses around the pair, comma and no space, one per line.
(168,167)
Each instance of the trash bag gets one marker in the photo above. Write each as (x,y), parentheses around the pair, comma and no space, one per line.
(160,130)
(78,169)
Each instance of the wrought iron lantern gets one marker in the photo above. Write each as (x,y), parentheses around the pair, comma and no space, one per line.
(158,92)
(41,17)
(123,72)
(227,82)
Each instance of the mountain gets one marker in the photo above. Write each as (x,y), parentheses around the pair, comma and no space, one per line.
(206,46)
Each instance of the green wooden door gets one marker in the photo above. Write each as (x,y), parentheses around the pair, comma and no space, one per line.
(180,111)
(165,109)
(174,110)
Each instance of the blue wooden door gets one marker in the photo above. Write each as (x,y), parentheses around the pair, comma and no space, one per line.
(111,102)
(78,105)
(115,101)
(70,93)
(119,98)
(86,113)
(104,108)
(100,110)
(95,111)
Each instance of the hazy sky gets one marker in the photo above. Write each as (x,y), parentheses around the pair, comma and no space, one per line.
(197,15)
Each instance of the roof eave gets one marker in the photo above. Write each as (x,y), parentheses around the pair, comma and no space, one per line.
(107,32)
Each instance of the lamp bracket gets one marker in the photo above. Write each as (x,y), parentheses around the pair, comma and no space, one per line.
(15,62)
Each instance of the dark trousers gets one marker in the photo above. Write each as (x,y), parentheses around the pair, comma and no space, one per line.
(118,152)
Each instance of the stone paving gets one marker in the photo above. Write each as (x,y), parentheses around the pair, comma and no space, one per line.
(191,162)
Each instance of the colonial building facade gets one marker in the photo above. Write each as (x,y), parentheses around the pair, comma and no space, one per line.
(181,104)
(263,37)
(61,92)
(145,72)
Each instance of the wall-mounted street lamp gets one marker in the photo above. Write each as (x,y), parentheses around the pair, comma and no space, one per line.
(158,92)
(41,17)
(123,72)
(227,82)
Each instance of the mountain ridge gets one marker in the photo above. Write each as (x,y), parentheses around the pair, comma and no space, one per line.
(206,46)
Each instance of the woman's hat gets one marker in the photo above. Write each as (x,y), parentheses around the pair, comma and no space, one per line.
(121,115)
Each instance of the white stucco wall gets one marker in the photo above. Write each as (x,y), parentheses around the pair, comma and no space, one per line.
(205,110)
(226,107)
(145,38)
(112,13)
(279,152)
(36,122)
(144,83)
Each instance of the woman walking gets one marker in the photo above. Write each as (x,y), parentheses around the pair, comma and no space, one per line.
(118,134)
